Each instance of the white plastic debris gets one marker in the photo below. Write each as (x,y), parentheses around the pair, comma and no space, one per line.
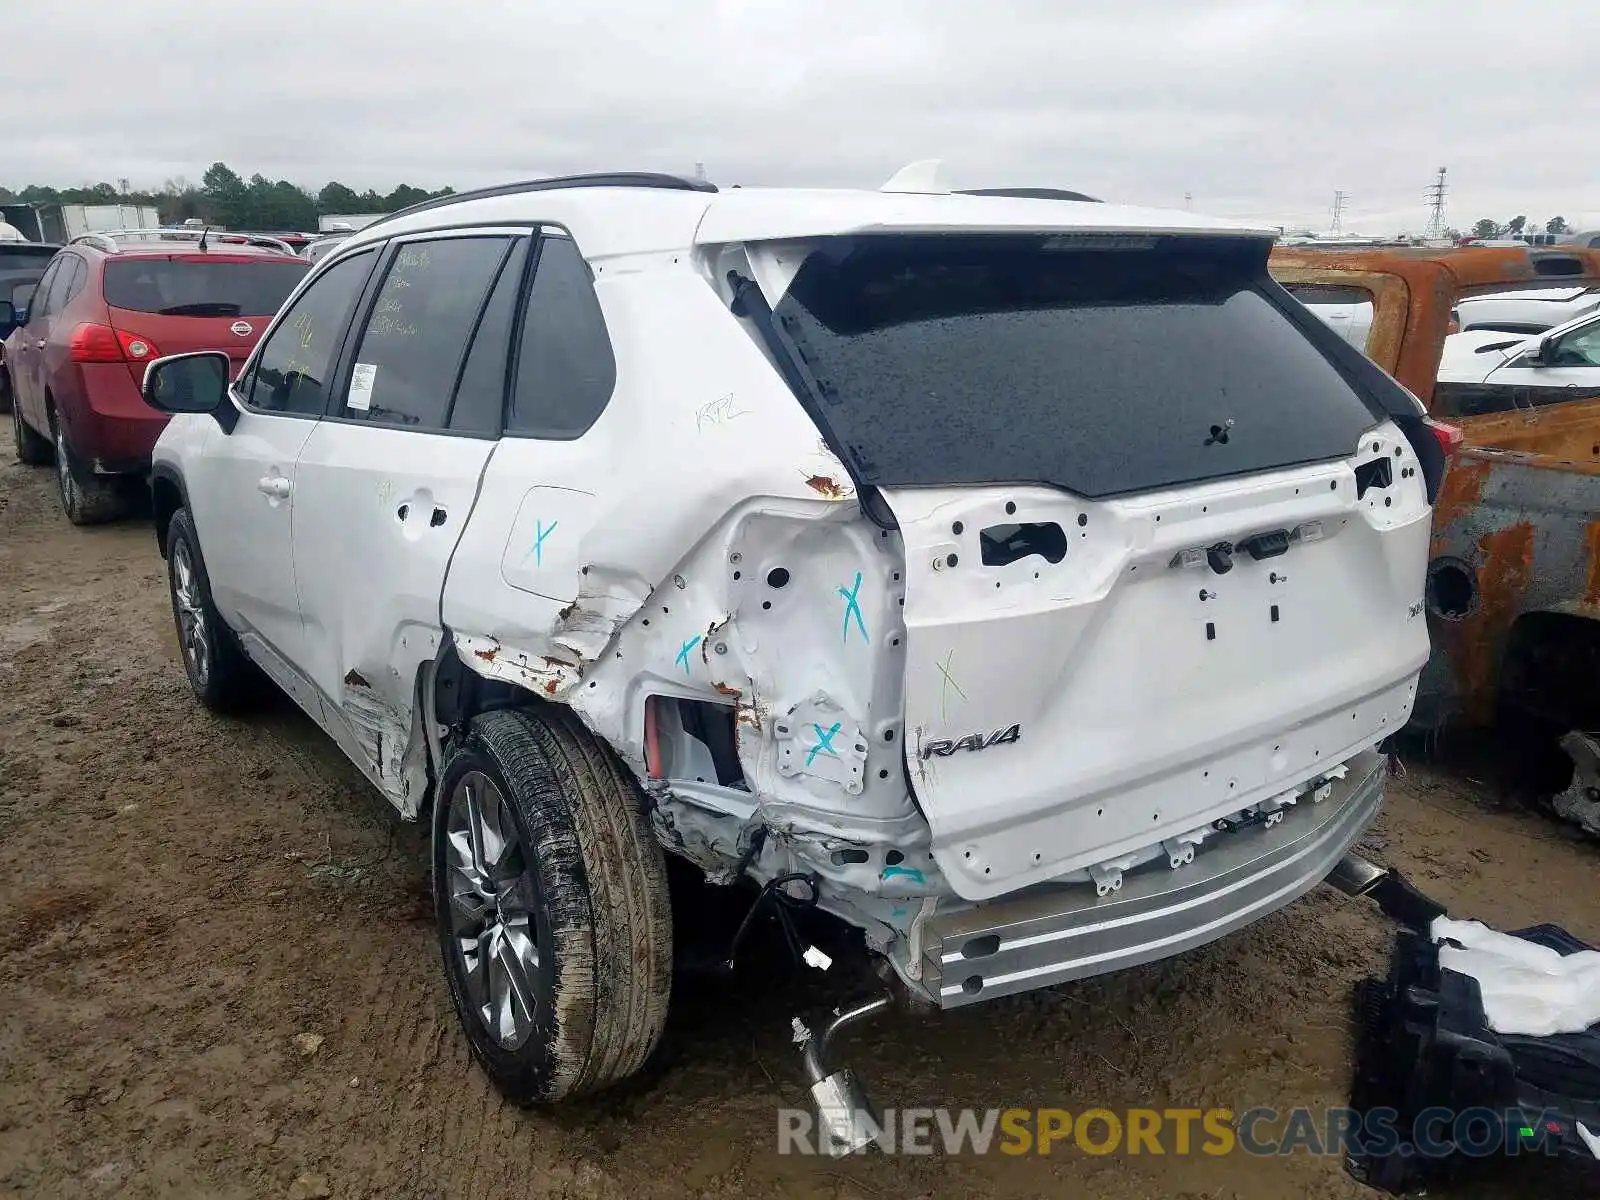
(1591,1140)
(1526,988)
(816,958)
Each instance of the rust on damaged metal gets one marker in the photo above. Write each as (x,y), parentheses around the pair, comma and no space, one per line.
(1517,509)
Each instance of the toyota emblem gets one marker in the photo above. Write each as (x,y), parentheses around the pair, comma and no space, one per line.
(243,328)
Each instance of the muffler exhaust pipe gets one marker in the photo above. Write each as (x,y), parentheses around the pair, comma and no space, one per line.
(1355,876)
(846,1120)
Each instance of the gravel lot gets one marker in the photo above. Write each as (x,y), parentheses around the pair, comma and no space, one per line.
(218,974)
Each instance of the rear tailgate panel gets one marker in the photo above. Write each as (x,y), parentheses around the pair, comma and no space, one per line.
(1063,714)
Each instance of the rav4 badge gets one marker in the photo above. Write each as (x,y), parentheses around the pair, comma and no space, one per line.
(973,741)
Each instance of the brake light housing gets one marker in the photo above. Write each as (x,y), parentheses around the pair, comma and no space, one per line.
(1449,437)
(92,343)
(95,343)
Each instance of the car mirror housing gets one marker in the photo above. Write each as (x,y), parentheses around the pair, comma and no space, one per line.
(189,383)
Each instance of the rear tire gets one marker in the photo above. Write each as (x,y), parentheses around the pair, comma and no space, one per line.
(223,679)
(550,894)
(86,498)
(32,450)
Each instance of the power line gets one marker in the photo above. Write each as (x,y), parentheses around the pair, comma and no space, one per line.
(1435,196)
(1339,200)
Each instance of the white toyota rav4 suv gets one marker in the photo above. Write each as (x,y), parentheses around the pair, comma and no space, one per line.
(1024,582)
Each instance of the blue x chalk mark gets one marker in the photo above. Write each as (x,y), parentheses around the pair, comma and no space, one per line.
(683,653)
(536,551)
(824,740)
(540,533)
(852,608)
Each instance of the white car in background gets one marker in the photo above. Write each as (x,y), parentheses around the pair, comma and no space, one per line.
(1348,311)
(1484,371)
(1531,311)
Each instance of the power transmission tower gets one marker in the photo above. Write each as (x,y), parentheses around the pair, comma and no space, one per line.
(1188,201)
(700,171)
(1340,198)
(1436,195)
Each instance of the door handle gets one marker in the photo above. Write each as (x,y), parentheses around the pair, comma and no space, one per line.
(273,486)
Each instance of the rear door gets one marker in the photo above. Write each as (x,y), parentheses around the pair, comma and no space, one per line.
(49,370)
(175,303)
(1163,561)
(391,476)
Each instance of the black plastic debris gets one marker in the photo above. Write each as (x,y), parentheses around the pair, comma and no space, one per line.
(1443,1089)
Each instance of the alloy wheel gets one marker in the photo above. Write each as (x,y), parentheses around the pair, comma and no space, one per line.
(492,910)
(63,469)
(187,604)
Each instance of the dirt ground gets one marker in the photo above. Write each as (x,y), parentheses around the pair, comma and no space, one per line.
(218,975)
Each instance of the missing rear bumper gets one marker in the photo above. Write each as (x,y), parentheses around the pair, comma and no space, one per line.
(1051,935)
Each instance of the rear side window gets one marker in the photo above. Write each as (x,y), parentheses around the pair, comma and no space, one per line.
(565,368)
(993,359)
(295,363)
(416,336)
(197,288)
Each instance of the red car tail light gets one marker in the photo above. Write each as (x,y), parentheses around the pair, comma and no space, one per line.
(95,344)
(1449,437)
(136,348)
(92,343)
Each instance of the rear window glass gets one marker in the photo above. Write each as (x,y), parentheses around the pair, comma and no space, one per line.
(178,288)
(992,359)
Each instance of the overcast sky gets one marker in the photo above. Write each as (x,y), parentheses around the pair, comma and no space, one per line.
(1259,108)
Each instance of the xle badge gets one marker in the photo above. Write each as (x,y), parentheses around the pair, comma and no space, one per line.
(973,741)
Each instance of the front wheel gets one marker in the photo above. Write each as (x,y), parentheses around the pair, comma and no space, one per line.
(223,679)
(550,895)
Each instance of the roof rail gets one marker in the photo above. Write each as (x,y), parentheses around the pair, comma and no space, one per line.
(1030,193)
(620,179)
(106,239)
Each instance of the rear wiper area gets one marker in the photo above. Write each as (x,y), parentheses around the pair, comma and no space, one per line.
(201,308)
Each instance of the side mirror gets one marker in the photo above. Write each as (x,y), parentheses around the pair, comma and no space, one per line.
(8,313)
(1545,355)
(190,383)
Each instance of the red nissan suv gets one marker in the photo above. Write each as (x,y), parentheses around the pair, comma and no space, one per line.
(108,304)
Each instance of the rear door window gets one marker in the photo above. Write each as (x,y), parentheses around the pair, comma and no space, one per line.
(1152,362)
(39,298)
(55,298)
(481,392)
(412,348)
(195,287)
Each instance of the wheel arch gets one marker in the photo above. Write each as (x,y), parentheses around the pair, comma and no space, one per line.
(167,495)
